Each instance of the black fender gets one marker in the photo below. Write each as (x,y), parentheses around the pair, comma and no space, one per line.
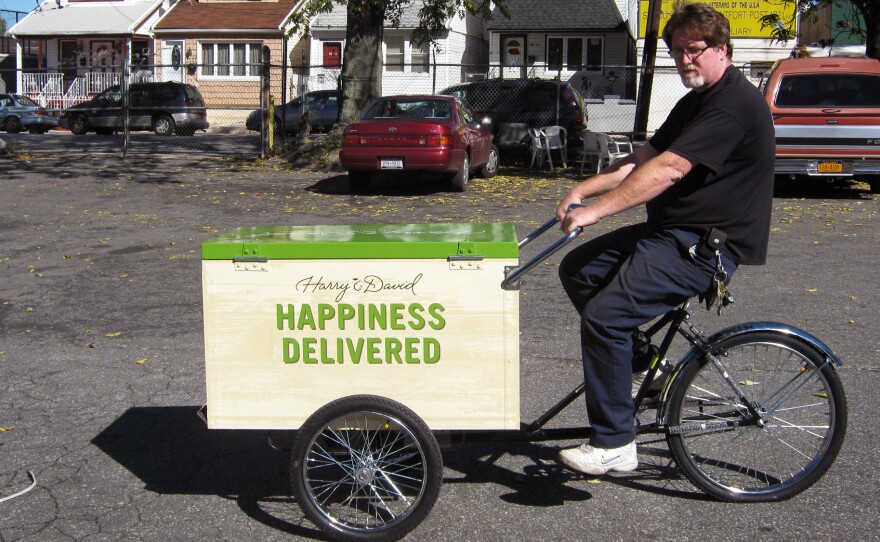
(694,353)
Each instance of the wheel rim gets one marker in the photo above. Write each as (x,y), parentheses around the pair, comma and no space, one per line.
(492,165)
(365,471)
(77,124)
(163,126)
(760,456)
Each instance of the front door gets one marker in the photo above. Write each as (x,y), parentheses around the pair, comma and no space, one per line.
(172,61)
(513,55)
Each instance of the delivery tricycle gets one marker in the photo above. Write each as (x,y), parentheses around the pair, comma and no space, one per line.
(374,342)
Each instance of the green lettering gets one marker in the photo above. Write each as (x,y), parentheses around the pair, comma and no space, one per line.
(411,350)
(325,312)
(324,357)
(415,311)
(378,316)
(434,309)
(373,350)
(345,312)
(397,315)
(392,350)
(432,350)
(282,316)
(354,352)
(306,319)
(291,350)
(362,325)
(308,349)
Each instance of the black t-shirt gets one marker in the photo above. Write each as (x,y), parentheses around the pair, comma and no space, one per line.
(728,132)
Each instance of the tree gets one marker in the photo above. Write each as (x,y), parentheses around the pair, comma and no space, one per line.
(783,31)
(361,78)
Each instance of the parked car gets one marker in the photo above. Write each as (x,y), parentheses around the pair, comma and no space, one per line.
(826,112)
(515,105)
(322,106)
(165,108)
(406,134)
(19,113)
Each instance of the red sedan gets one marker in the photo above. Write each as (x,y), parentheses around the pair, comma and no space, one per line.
(405,134)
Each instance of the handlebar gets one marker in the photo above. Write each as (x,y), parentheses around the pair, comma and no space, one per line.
(514,274)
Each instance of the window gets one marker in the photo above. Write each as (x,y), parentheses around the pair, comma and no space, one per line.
(394,54)
(237,59)
(594,54)
(419,56)
(575,55)
(568,53)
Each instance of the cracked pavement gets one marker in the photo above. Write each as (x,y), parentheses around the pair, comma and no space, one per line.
(102,360)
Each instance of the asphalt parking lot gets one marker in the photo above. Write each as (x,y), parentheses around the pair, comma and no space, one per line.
(102,360)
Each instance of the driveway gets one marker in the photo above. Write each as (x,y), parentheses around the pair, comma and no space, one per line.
(102,361)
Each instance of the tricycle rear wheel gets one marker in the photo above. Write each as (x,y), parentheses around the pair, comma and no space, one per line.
(366,468)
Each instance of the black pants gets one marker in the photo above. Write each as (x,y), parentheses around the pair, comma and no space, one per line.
(618,282)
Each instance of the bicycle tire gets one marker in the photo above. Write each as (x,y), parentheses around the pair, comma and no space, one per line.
(366,468)
(722,450)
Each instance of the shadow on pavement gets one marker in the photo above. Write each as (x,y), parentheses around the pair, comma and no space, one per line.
(171,450)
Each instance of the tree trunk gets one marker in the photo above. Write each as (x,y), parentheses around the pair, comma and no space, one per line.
(361,78)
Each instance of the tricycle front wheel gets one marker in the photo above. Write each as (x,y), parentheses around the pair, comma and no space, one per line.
(366,468)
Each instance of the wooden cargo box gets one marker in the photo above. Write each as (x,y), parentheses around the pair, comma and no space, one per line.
(296,317)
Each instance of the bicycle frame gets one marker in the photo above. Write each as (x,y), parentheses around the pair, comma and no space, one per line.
(676,322)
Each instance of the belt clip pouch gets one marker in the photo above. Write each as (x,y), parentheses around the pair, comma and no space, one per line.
(712,241)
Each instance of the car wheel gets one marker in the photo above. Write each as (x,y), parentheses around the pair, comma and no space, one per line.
(462,176)
(13,125)
(78,124)
(491,167)
(163,125)
(358,180)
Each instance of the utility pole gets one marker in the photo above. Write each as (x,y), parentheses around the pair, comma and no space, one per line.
(649,59)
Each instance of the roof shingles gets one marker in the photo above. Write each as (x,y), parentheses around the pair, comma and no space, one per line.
(244,15)
(542,15)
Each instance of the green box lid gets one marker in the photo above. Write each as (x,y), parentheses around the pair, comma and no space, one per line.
(374,241)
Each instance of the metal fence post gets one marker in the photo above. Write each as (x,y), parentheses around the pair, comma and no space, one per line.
(126,105)
(264,103)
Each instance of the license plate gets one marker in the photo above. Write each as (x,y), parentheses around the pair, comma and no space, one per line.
(391,163)
(830,167)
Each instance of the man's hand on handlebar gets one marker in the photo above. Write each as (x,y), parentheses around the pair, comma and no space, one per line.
(575,215)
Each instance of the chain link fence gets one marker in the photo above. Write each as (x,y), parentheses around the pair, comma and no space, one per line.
(230,100)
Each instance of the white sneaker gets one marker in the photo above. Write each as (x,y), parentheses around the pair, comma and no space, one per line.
(597,461)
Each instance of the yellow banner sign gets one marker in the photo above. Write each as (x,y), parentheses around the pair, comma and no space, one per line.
(744,16)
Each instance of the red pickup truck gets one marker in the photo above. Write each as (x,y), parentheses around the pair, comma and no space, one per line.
(827,117)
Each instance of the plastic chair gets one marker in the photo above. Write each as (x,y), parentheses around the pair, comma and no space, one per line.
(604,149)
(556,139)
(615,147)
(592,151)
(537,146)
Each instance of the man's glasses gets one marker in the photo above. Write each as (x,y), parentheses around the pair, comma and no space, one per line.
(691,52)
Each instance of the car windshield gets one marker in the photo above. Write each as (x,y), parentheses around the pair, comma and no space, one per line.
(412,108)
(822,90)
(24,100)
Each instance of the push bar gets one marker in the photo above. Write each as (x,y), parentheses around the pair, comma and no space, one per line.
(513,275)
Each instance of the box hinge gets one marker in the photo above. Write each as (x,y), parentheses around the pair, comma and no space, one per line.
(250,260)
(465,262)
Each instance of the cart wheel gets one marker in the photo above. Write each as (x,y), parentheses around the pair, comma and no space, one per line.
(366,468)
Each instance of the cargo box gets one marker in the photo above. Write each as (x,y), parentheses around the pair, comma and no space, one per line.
(296,317)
